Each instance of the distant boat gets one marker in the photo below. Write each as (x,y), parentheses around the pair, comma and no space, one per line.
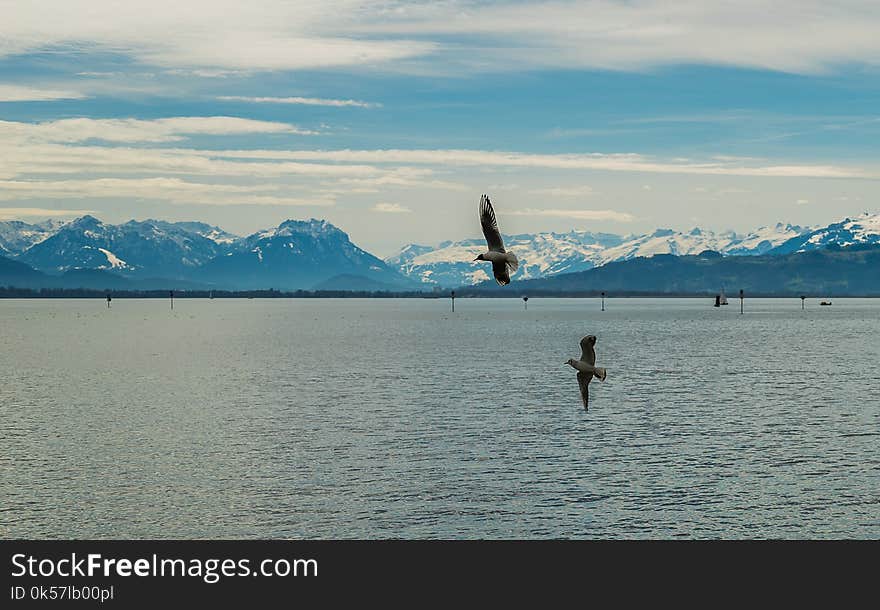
(826,303)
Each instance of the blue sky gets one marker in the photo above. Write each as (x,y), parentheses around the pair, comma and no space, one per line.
(389,119)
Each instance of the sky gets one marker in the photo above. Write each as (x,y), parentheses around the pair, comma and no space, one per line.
(389,119)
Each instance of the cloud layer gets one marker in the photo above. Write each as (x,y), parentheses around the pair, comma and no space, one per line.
(804,36)
(19,93)
(303,101)
(610,215)
(136,130)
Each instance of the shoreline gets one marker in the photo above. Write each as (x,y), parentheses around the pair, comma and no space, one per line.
(460,293)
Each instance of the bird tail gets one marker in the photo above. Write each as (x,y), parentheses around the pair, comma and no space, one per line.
(600,373)
(512,262)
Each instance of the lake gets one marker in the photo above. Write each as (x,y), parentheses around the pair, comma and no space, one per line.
(395,418)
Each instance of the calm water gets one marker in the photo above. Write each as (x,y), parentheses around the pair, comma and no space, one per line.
(395,418)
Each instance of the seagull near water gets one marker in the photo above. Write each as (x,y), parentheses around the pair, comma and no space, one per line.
(586,368)
(503,263)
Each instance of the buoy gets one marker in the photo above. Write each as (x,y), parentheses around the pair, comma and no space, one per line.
(526,303)
(741,297)
(452,295)
(802,301)
(603,301)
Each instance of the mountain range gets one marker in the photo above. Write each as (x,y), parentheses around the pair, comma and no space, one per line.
(295,255)
(545,254)
(314,254)
(852,270)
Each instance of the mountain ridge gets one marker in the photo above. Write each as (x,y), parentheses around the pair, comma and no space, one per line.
(301,254)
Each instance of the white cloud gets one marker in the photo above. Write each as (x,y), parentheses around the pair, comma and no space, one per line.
(306,101)
(390,208)
(18,93)
(629,162)
(577,214)
(15,213)
(568,191)
(172,190)
(212,35)
(220,35)
(136,130)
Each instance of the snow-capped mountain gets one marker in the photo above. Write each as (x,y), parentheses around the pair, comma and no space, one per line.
(763,240)
(306,254)
(864,229)
(17,236)
(148,249)
(544,254)
(297,255)
(215,234)
(667,241)
(451,263)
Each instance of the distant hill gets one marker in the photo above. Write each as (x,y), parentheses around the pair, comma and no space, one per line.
(20,275)
(834,272)
(348,281)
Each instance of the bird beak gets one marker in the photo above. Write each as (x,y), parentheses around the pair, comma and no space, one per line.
(476,259)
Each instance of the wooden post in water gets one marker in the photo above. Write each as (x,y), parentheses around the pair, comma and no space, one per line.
(603,301)
(452,295)
(526,303)
(741,297)
(802,302)
(171,294)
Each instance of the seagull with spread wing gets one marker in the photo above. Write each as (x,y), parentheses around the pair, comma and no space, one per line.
(503,263)
(586,368)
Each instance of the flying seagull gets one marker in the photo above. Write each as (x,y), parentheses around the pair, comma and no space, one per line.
(503,263)
(586,368)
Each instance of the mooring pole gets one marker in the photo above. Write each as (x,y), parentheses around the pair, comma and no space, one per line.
(452,295)
(108,300)
(526,303)
(741,297)
(603,301)
(802,302)
(171,294)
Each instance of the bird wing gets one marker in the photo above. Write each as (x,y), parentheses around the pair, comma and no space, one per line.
(588,354)
(501,273)
(584,383)
(490,225)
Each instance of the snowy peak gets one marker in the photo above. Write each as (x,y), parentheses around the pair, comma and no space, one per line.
(451,263)
(542,254)
(311,227)
(408,253)
(764,239)
(153,248)
(17,236)
(300,254)
(215,234)
(864,229)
